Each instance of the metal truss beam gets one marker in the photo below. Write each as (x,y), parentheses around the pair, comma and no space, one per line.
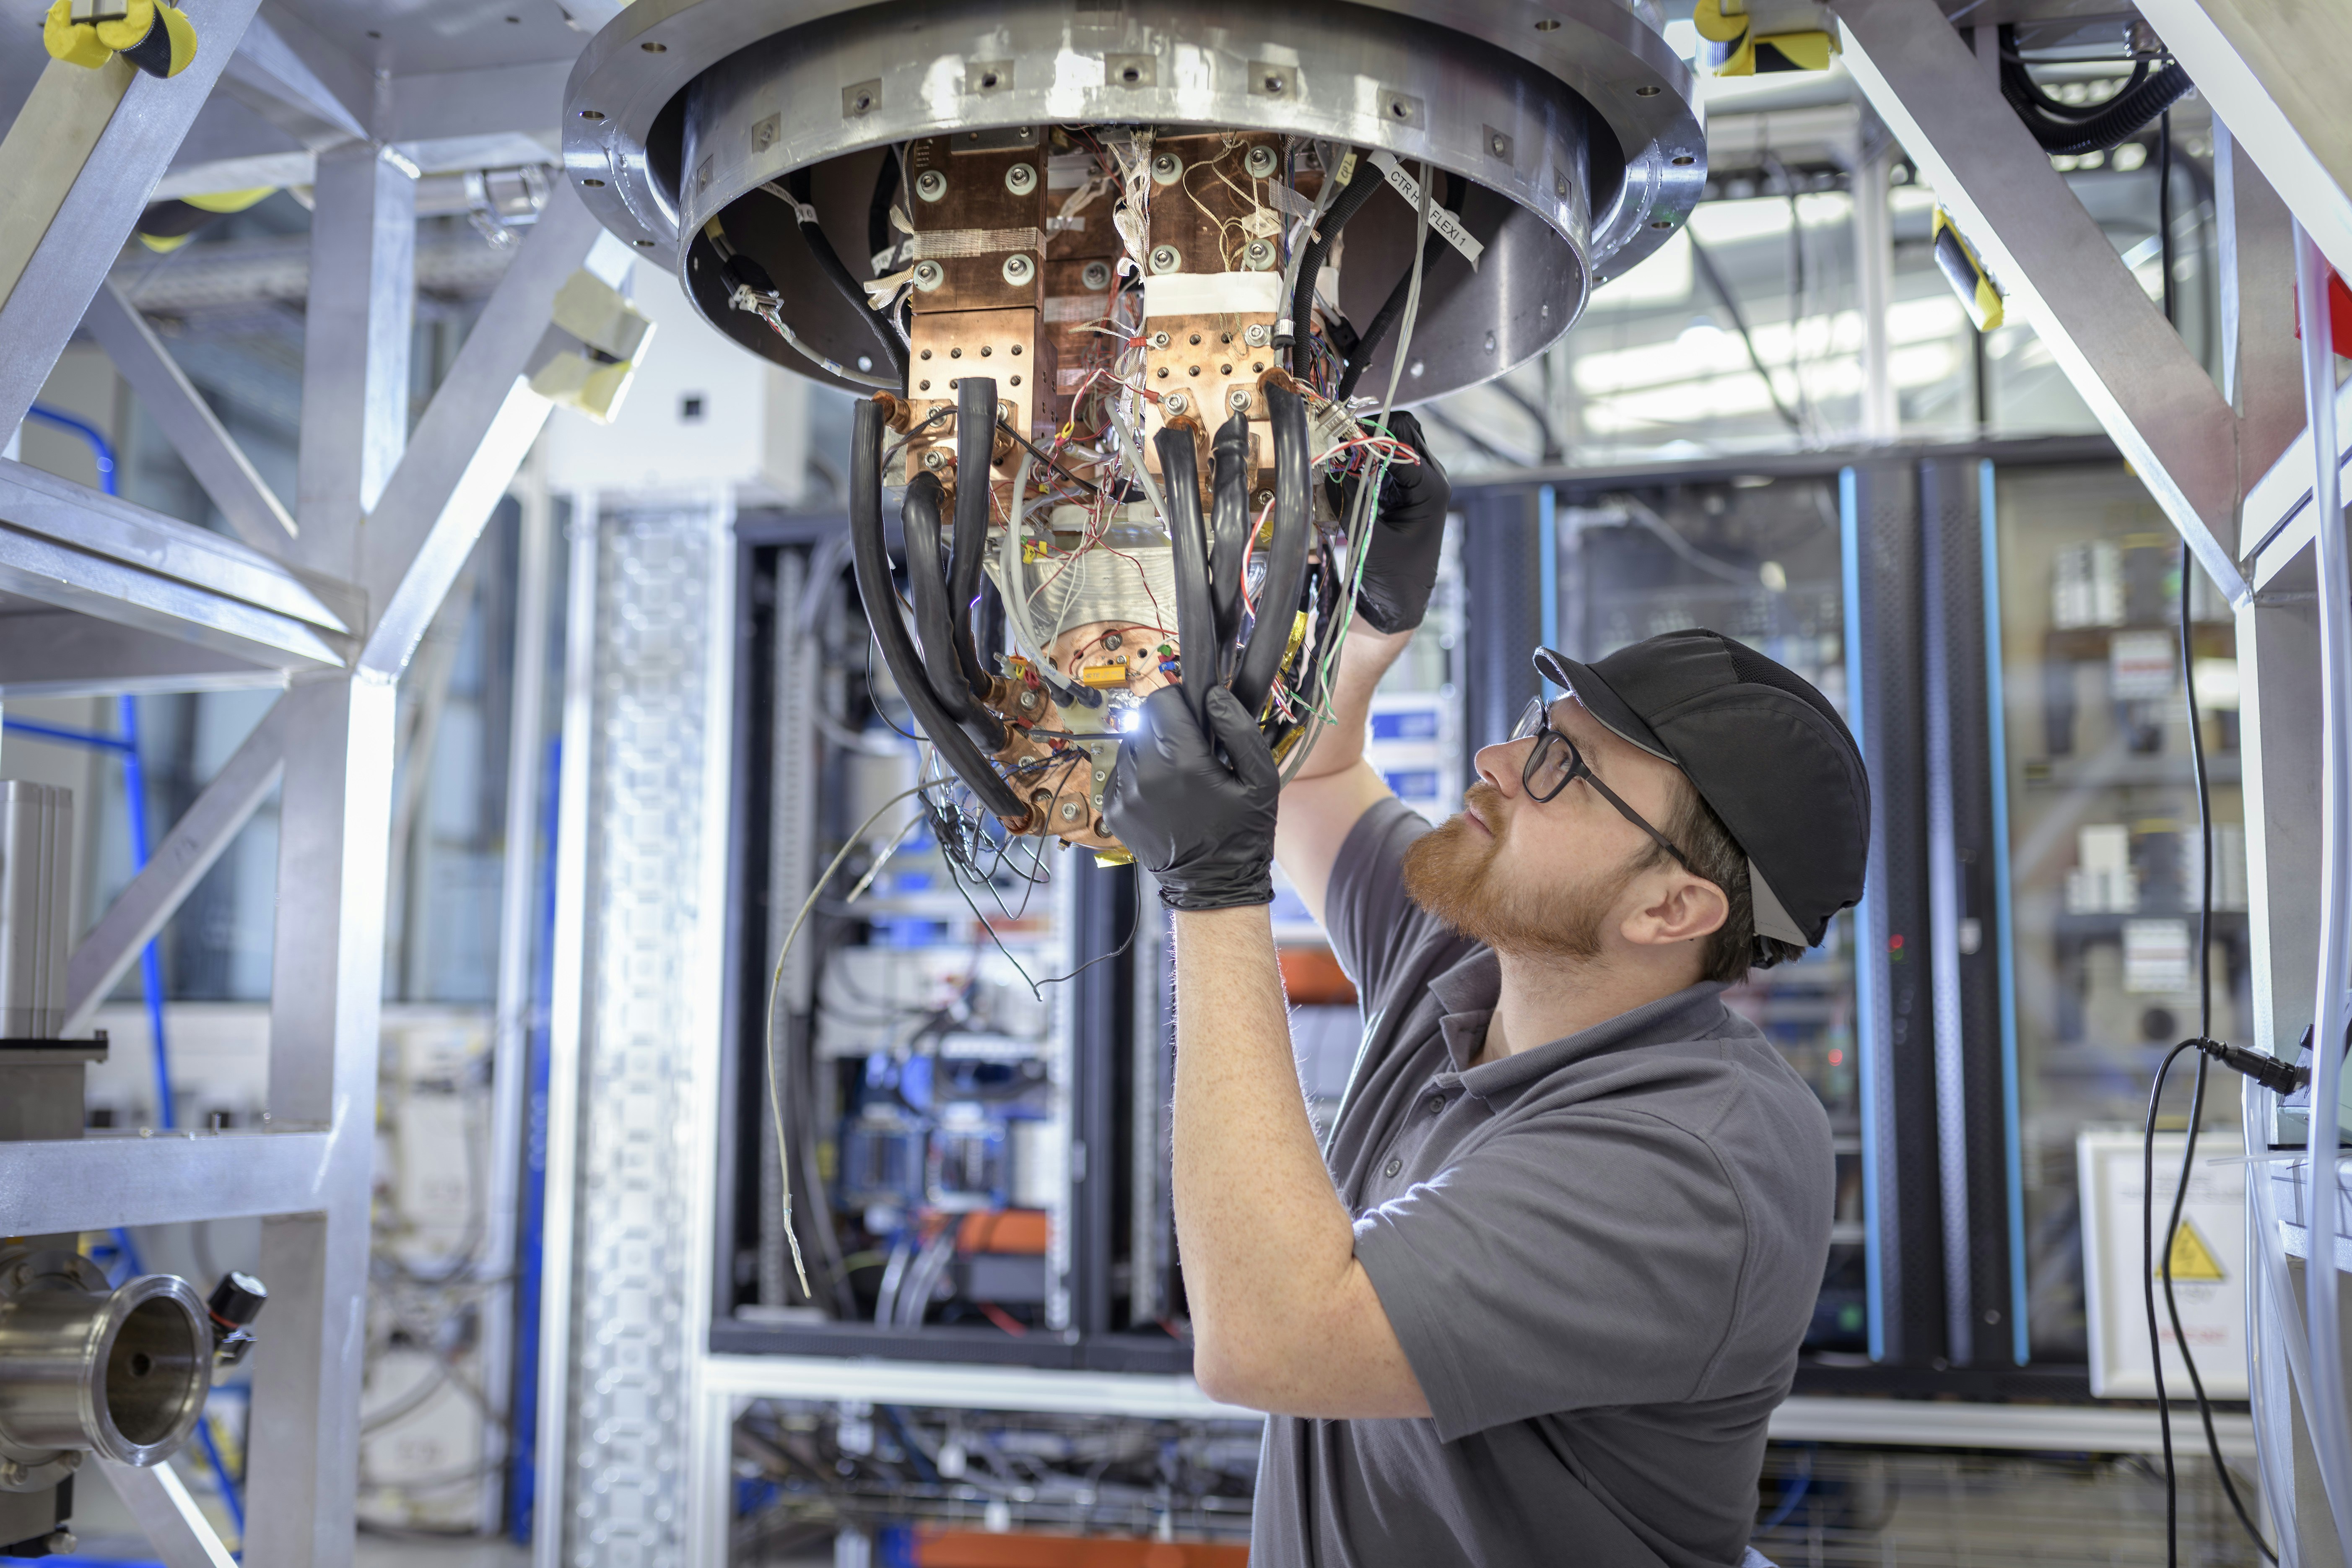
(474,434)
(175,1526)
(274,78)
(96,1182)
(2278,504)
(2147,389)
(211,823)
(211,453)
(69,546)
(75,170)
(2273,71)
(59,652)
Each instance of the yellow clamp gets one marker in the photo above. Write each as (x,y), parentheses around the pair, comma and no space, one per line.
(1729,46)
(1958,262)
(156,38)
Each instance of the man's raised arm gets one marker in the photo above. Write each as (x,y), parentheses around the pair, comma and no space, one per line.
(1337,786)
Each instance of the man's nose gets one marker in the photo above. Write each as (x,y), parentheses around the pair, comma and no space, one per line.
(1501,764)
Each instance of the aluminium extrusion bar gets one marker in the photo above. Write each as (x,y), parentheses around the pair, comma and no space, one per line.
(2126,360)
(47,652)
(197,840)
(175,1525)
(76,168)
(195,431)
(474,433)
(2273,71)
(40,505)
(98,1182)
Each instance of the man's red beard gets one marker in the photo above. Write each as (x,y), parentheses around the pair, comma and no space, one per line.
(1455,873)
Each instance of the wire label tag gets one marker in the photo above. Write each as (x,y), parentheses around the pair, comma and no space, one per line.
(1442,221)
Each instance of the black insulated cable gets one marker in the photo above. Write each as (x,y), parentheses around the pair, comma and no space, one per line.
(1317,250)
(1229,535)
(2068,130)
(976,422)
(1196,615)
(880,597)
(926,584)
(1359,358)
(828,262)
(1286,562)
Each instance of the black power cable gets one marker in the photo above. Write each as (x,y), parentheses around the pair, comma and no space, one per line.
(2066,128)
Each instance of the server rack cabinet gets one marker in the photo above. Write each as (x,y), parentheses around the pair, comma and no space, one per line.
(1044,1237)
(1868,574)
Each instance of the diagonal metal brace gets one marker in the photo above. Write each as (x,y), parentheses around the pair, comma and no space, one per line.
(177,1528)
(211,453)
(2125,359)
(179,863)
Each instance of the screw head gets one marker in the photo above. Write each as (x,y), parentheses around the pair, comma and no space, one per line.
(1112,640)
(930,275)
(1021,179)
(1490,342)
(1069,811)
(1028,701)
(1256,334)
(1096,276)
(1560,186)
(1160,340)
(930,185)
(1260,163)
(1178,403)
(1005,411)
(1263,498)
(1497,146)
(1166,259)
(1238,400)
(1019,269)
(1167,169)
(936,458)
(1258,255)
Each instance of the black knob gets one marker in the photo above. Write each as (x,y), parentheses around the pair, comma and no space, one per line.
(238,1300)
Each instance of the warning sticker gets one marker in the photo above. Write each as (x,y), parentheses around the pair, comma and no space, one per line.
(2192,1260)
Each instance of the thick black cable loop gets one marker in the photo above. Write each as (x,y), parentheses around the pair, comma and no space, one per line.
(1285,565)
(880,597)
(1196,615)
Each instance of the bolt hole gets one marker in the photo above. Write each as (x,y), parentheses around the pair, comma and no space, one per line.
(1397,109)
(1646,91)
(592,181)
(1274,84)
(373,34)
(141,1363)
(514,21)
(1662,223)
(1548,24)
(644,243)
(1131,75)
(653,48)
(592,114)
(987,81)
(1684,160)
(865,102)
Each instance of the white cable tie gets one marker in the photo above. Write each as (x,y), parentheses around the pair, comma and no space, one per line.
(801,209)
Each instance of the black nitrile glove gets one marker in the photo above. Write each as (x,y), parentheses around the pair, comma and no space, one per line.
(1400,560)
(1200,822)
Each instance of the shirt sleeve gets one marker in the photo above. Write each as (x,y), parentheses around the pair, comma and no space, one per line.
(1370,919)
(1591,1259)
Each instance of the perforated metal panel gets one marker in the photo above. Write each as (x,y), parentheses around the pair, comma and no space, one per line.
(641,1136)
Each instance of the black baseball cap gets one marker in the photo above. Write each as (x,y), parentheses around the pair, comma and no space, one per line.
(1763,748)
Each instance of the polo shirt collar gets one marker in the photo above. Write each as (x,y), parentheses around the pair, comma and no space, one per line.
(1470,989)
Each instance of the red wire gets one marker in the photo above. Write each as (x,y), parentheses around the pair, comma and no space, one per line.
(1003,1318)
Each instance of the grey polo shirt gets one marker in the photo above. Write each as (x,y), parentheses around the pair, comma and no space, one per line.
(1600,1255)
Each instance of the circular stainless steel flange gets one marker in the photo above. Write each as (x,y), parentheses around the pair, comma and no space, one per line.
(122,1372)
(1570,123)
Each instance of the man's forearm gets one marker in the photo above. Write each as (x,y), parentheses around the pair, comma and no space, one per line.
(1261,1229)
(1284,1317)
(1367,655)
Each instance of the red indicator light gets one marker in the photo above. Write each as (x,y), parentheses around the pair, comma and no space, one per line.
(1837,1058)
(1894,943)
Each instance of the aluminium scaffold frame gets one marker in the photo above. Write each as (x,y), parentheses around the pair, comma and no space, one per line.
(327,599)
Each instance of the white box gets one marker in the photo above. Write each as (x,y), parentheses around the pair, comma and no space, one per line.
(2212,1311)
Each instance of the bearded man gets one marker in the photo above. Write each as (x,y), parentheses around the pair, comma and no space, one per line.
(1537,1299)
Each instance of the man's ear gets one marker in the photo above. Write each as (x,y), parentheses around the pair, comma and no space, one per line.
(1678,907)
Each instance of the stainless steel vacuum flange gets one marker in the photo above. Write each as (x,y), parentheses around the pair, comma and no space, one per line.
(1573,122)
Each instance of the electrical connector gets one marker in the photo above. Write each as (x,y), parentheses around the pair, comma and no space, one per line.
(2278,1077)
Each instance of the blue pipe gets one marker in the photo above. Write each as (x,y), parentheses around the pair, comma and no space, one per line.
(100,447)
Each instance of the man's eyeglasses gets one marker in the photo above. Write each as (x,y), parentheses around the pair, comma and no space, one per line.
(1554,763)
